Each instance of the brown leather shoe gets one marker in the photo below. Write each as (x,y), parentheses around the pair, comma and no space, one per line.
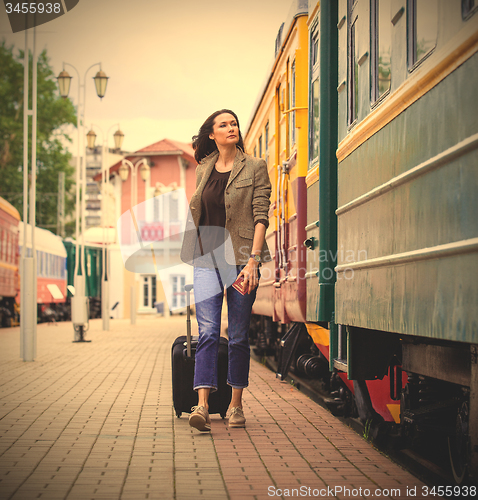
(199,418)
(236,417)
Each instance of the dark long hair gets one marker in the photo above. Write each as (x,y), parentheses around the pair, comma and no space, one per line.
(203,145)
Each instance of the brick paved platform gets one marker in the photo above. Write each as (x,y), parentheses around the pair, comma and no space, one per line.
(95,421)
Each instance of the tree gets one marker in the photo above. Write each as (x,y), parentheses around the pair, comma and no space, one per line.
(53,114)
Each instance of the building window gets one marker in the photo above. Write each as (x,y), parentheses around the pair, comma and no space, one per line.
(173,206)
(381,47)
(422,29)
(352,64)
(149,291)
(156,208)
(260,146)
(266,143)
(179,295)
(292,104)
(255,151)
(145,292)
(153,290)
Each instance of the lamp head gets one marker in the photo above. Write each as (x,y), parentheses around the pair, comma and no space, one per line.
(64,80)
(144,171)
(123,172)
(101,81)
(91,138)
(119,137)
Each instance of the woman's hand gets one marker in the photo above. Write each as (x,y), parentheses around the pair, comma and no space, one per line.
(251,279)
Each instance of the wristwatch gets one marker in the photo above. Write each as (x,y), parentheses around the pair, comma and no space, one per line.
(256,257)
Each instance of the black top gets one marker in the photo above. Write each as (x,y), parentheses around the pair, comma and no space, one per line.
(213,210)
(213,213)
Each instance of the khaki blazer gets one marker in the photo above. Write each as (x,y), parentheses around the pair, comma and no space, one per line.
(246,198)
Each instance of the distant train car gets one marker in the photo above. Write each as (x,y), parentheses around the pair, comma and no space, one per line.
(278,134)
(9,261)
(93,268)
(51,273)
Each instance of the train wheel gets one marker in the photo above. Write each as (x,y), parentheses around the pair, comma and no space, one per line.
(458,445)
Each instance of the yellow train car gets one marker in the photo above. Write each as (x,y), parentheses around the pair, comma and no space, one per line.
(278,133)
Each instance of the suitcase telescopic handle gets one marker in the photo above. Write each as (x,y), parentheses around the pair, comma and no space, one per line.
(188,289)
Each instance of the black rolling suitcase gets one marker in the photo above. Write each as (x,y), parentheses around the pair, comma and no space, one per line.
(184,397)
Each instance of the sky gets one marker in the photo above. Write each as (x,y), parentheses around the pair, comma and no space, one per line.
(171,63)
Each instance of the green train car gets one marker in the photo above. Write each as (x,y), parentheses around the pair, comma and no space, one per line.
(407,233)
(93,267)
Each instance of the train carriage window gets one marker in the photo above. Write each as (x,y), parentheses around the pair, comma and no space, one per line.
(266,141)
(381,47)
(255,151)
(292,104)
(352,80)
(314,106)
(314,49)
(314,131)
(260,146)
(422,29)
(7,245)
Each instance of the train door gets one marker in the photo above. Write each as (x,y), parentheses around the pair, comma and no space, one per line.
(281,253)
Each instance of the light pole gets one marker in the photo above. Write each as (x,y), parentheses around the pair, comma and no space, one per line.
(79,302)
(123,172)
(28,311)
(91,138)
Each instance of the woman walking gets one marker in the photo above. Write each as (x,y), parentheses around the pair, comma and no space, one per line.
(232,198)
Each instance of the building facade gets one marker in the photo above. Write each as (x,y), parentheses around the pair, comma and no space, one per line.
(150,208)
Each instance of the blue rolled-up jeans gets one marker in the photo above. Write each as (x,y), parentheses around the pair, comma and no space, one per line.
(208,296)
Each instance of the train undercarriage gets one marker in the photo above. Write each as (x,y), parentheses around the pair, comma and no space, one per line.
(46,313)
(436,419)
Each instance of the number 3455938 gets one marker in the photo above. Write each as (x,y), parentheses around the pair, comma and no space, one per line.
(33,8)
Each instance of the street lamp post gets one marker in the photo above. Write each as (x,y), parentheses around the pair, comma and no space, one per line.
(28,312)
(79,302)
(91,138)
(123,172)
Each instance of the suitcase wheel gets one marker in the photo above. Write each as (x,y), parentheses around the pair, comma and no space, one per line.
(178,414)
(223,415)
